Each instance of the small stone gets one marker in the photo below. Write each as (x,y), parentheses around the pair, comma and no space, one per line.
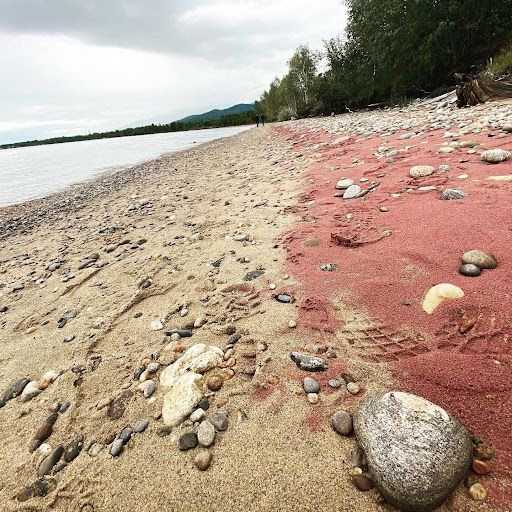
(187,441)
(312,398)
(352,192)
(344,183)
(73,449)
(220,420)
(163,431)
(95,449)
(481,259)
(335,384)
(156,325)
(126,434)
(203,460)
(64,407)
(284,298)
(443,168)
(495,156)
(59,467)
(420,171)
(3,309)
(477,492)
(328,267)
(384,209)
(49,462)
(197,415)
(483,452)
(38,489)
(451,194)
(149,388)
(341,422)
(470,270)
(234,338)
(30,391)
(153,367)
(292,324)
(206,433)
(311,385)
(362,482)
(140,426)
(204,404)
(215,383)
(254,274)
(117,447)
(308,363)
(481,467)
(446,149)
(353,388)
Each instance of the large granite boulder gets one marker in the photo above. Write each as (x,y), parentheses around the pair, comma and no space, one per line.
(416,452)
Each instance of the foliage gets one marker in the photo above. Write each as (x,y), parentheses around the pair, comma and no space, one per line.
(502,63)
(241,118)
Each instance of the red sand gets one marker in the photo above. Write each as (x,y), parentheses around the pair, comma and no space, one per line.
(387,276)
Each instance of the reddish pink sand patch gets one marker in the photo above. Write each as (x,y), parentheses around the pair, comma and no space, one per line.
(387,276)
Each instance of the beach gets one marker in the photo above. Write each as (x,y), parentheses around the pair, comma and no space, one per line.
(204,240)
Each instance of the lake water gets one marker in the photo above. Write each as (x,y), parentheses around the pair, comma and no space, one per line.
(37,171)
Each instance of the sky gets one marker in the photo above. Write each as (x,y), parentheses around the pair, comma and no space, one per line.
(76,66)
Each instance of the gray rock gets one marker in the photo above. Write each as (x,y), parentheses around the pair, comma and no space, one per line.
(420,171)
(126,434)
(47,463)
(416,452)
(341,422)
(284,298)
(470,270)
(187,441)
(352,191)
(495,156)
(73,449)
(14,390)
(206,433)
(220,420)
(149,388)
(253,274)
(140,426)
(311,385)
(452,193)
(95,449)
(335,384)
(117,447)
(308,363)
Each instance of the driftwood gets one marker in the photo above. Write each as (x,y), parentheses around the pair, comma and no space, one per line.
(472,91)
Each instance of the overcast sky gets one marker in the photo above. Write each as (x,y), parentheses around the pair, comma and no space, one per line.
(73,66)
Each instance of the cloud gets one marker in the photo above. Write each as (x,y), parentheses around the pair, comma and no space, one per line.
(109,63)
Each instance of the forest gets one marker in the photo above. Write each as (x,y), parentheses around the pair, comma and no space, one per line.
(241,118)
(393,51)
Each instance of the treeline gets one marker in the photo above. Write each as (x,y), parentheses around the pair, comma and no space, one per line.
(391,50)
(239,119)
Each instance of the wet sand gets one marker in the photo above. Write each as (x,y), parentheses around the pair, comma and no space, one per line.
(165,222)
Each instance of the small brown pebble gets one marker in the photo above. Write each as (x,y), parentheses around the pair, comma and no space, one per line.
(478,492)
(480,467)
(163,431)
(203,460)
(483,452)
(228,354)
(362,482)
(215,383)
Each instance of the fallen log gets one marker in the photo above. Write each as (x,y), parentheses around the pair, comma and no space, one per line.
(473,91)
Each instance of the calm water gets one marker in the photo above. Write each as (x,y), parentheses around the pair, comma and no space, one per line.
(37,171)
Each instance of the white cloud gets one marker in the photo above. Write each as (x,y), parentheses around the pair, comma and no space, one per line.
(69,66)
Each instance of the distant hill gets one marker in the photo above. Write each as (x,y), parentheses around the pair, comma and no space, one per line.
(217,114)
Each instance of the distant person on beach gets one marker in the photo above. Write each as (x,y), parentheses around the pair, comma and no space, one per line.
(262,119)
(257,120)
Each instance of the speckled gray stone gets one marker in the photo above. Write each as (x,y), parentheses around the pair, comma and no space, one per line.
(470,270)
(311,385)
(451,194)
(416,452)
(308,363)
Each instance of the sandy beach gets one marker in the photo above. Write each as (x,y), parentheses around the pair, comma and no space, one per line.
(196,241)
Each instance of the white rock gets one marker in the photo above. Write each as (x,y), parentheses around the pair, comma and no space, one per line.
(420,171)
(31,390)
(206,433)
(197,415)
(156,325)
(344,183)
(495,156)
(352,191)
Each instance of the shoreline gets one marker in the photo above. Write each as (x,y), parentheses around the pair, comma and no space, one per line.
(204,242)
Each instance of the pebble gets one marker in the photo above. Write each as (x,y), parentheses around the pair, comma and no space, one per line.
(64,407)
(206,433)
(49,462)
(156,325)
(308,363)
(480,258)
(312,398)
(384,209)
(254,274)
(452,194)
(187,441)
(284,298)
(335,384)
(443,168)
(3,309)
(126,434)
(149,388)
(153,367)
(495,156)
(117,447)
(352,192)
(344,183)
(483,452)
(163,431)
(328,267)
(292,324)
(362,482)
(341,422)
(14,390)
(38,489)
(140,426)
(197,415)
(234,338)
(481,467)
(353,388)
(470,270)
(95,449)
(215,383)
(311,385)
(477,492)
(220,420)
(204,404)
(420,171)
(203,460)
(30,391)
(73,449)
